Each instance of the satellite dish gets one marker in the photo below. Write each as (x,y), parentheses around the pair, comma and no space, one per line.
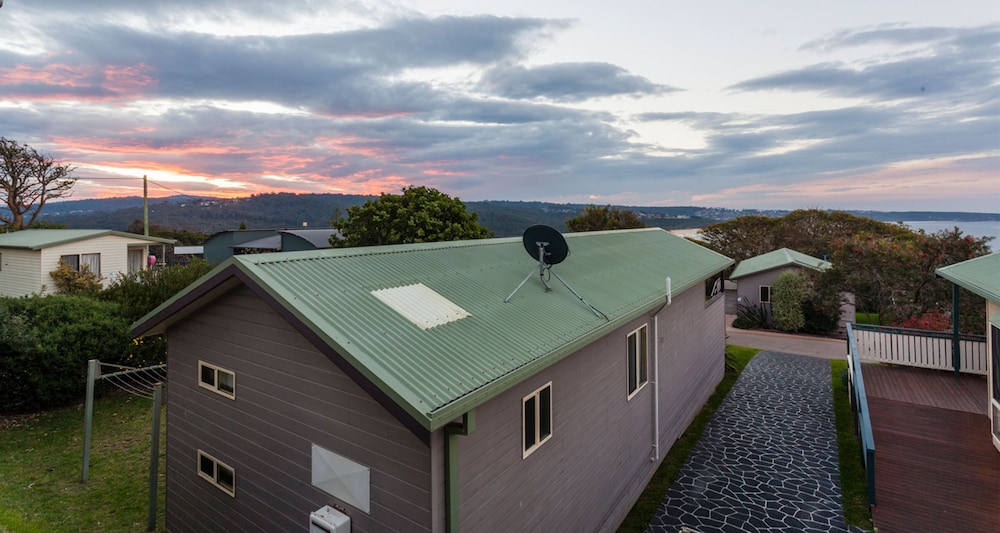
(545,244)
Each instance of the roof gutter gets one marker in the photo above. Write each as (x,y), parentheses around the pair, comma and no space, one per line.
(451,433)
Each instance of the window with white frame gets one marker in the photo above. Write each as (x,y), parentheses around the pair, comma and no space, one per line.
(537,418)
(636,351)
(217,379)
(765,294)
(217,473)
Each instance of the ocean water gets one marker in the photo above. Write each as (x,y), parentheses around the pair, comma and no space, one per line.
(980,228)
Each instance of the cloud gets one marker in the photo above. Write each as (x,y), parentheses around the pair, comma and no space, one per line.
(567,82)
(949,62)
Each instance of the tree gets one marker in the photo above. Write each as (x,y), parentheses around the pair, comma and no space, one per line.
(419,214)
(810,231)
(28,180)
(596,218)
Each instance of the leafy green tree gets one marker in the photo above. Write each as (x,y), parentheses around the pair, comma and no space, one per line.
(595,218)
(789,292)
(810,231)
(895,278)
(28,180)
(419,214)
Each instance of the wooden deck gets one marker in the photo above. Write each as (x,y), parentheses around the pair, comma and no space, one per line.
(935,466)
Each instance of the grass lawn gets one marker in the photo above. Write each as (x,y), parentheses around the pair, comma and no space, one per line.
(853,483)
(41,457)
(638,518)
(866,318)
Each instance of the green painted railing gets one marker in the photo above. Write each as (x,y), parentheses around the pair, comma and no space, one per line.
(859,405)
(920,348)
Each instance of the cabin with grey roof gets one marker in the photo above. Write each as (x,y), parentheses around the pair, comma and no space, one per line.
(411,388)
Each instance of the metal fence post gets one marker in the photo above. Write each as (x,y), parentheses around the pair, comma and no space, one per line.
(93,371)
(154,457)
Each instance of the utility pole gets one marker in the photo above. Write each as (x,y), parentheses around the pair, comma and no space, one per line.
(145,205)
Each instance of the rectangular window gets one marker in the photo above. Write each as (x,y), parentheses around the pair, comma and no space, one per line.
(216,472)
(638,359)
(91,262)
(765,294)
(537,409)
(71,260)
(217,379)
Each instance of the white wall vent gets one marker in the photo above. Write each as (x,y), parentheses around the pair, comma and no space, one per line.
(342,478)
(326,519)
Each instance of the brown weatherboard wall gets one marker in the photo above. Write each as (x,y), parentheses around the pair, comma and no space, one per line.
(288,396)
(588,475)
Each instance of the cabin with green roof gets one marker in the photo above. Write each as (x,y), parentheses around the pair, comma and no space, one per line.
(436,386)
(981,276)
(28,256)
(755,277)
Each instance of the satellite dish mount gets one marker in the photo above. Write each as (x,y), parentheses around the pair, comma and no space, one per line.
(548,246)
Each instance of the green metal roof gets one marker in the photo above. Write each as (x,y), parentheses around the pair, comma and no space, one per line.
(778,258)
(439,372)
(37,239)
(980,275)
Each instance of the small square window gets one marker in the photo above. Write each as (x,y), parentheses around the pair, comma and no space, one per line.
(217,379)
(217,473)
(537,421)
(638,360)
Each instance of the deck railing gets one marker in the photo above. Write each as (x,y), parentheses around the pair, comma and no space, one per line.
(859,405)
(920,348)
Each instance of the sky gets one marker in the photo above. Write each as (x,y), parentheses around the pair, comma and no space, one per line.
(773,104)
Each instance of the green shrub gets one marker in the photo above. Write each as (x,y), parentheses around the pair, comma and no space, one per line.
(69,280)
(140,292)
(45,343)
(789,291)
(751,315)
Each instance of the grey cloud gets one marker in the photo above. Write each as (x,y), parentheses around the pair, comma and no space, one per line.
(567,82)
(957,61)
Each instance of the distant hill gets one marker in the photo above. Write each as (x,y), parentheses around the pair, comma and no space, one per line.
(287,210)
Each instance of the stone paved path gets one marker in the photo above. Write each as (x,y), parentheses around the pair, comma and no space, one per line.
(767,461)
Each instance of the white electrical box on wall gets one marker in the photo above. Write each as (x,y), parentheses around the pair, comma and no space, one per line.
(326,519)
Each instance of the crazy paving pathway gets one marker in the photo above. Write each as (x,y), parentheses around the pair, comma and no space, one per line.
(767,461)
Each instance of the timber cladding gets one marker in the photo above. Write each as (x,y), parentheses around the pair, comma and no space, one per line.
(288,397)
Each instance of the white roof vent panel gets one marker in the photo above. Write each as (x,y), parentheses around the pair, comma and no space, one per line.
(420,305)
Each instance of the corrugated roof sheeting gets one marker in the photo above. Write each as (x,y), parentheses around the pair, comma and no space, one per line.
(441,372)
(980,275)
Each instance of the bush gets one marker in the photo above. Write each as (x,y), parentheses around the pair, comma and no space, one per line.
(790,290)
(45,343)
(69,280)
(140,292)
(751,315)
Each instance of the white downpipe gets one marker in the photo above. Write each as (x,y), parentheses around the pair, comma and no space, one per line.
(656,387)
(656,377)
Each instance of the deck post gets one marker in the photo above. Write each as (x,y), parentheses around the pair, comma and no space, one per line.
(956,345)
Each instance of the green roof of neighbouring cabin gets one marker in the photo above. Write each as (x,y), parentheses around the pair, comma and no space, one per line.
(980,275)
(778,258)
(37,239)
(462,344)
